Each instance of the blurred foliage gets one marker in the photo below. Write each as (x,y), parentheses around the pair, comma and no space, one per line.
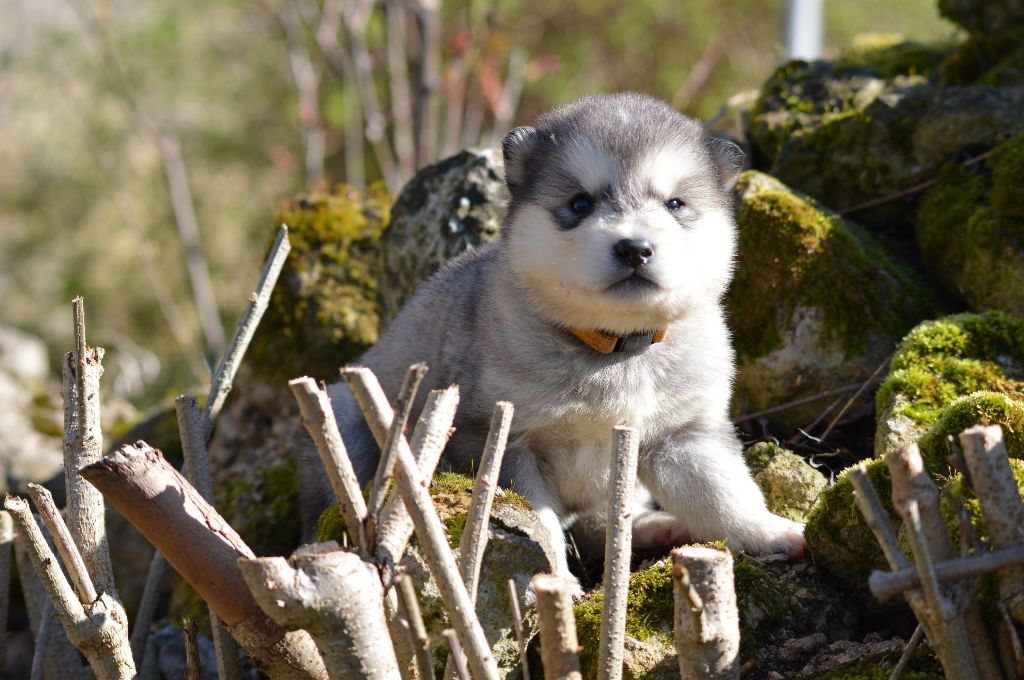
(83,201)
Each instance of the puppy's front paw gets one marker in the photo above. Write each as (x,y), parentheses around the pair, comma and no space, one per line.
(658,529)
(774,534)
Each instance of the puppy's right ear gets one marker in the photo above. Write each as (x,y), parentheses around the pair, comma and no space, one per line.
(517,148)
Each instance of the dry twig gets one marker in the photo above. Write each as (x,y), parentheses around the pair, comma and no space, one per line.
(193,666)
(885,584)
(517,626)
(617,551)
(6,547)
(457,656)
(421,641)
(706,618)
(559,647)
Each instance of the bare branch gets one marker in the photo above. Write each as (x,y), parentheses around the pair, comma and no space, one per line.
(617,551)
(147,606)
(793,404)
(517,626)
(426,110)
(334,595)
(706,618)
(73,561)
(193,666)
(398,79)
(457,656)
(876,517)
(908,653)
(258,301)
(856,395)
(428,527)
(318,417)
(83,444)
(411,611)
(307,86)
(885,584)
(559,647)
(6,546)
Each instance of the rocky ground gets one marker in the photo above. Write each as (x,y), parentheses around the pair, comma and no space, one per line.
(878,301)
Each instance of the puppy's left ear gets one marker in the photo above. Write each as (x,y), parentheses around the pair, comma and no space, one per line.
(516,149)
(729,159)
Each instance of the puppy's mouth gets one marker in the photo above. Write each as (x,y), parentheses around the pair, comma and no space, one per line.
(634,282)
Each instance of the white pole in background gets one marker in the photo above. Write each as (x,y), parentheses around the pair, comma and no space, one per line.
(805,28)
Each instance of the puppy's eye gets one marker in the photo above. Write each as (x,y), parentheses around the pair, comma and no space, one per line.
(675,203)
(581,205)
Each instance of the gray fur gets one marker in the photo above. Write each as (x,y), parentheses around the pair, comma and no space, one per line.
(494,321)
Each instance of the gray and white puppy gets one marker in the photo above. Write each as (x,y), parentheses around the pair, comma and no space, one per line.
(621,223)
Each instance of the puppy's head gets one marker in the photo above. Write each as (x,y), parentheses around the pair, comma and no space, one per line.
(620,217)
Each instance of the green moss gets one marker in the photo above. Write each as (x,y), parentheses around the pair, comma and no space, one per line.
(1007,165)
(450,483)
(871,670)
(891,54)
(952,357)
(323,312)
(979,408)
(330,526)
(793,254)
(265,516)
(649,613)
(453,527)
(838,539)
(757,590)
(986,59)
(789,484)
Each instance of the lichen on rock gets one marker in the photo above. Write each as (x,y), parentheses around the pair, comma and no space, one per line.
(789,483)
(816,302)
(323,311)
(447,208)
(942,360)
(890,54)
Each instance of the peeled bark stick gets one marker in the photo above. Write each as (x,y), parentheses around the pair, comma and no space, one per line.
(1001,505)
(83,444)
(458,658)
(474,536)
(203,549)
(950,616)
(559,648)
(334,595)
(73,561)
(617,551)
(517,626)
(421,641)
(428,527)
(707,621)
(258,301)
(395,528)
(388,451)
(876,517)
(196,465)
(98,629)
(885,584)
(318,418)
(6,546)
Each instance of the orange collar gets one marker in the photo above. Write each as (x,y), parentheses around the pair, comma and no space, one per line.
(606,343)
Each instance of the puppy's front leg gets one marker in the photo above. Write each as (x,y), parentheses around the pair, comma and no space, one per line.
(529,482)
(700,477)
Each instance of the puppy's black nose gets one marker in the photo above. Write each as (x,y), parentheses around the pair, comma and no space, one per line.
(633,252)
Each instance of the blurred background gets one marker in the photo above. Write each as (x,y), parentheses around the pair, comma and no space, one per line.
(145,146)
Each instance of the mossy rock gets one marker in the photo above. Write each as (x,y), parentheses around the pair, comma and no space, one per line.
(777,601)
(263,508)
(890,54)
(942,360)
(838,539)
(847,137)
(979,408)
(817,302)
(323,312)
(789,484)
(447,208)
(984,16)
(986,59)
(970,229)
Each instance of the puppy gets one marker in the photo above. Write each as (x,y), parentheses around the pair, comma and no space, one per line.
(599,306)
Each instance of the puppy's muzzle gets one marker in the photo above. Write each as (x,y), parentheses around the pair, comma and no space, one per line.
(633,252)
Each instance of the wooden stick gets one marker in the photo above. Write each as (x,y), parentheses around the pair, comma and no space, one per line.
(706,617)
(856,395)
(334,595)
(6,548)
(411,610)
(517,626)
(559,648)
(458,658)
(83,444)
(155,579)
(428,442)
(398,78)
(877,518)
(793,404)
(426,109)
(474,536)
(246,329)
(61,536)
(99,628)
(1001,505)
(318,417)
(204,550)
(428,527)
(617,552)
(307,89)
(908,653)
(885,584)
(386,464)
(193,666)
